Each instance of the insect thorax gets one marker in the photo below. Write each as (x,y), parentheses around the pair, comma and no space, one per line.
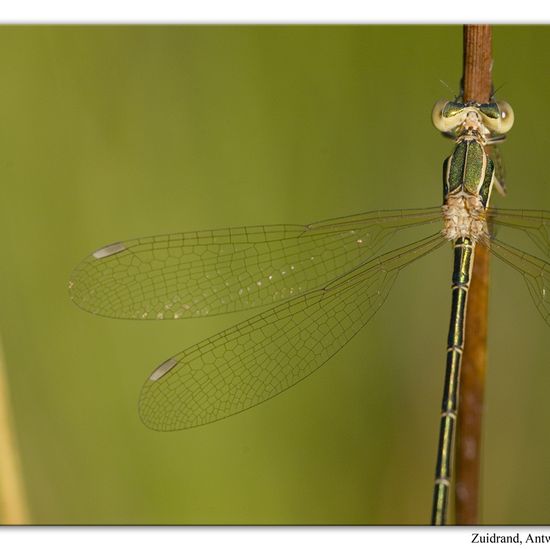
(464,216)
(468,169)
(467,183)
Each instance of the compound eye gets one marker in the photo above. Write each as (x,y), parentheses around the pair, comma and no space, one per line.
(506,116)
(447,115)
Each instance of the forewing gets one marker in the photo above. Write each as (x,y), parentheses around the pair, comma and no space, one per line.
(259,358)
(212,272)
(535,271)
(534,223)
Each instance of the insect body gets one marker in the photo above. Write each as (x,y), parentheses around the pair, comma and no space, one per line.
(469,177)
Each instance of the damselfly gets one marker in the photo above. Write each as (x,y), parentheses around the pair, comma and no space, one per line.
(324,282)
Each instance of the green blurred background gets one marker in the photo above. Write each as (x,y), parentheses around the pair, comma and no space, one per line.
(115,132)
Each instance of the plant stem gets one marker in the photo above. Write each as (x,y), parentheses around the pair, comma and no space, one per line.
(477,83)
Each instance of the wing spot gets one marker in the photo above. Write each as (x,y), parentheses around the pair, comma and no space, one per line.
(163,369)
(109,250)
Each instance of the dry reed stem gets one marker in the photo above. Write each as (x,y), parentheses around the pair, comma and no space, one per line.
(13,508)
(477,87)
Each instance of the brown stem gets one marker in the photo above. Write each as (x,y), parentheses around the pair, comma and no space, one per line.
(477,84)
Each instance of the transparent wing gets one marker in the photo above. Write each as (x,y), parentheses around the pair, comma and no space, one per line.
(259,358)
(535,271)
(534,223)
(500,169)
(212,272)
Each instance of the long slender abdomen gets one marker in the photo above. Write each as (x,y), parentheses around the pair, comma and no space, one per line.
(463,261)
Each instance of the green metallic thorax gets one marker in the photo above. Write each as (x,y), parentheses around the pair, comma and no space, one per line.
(470,170)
